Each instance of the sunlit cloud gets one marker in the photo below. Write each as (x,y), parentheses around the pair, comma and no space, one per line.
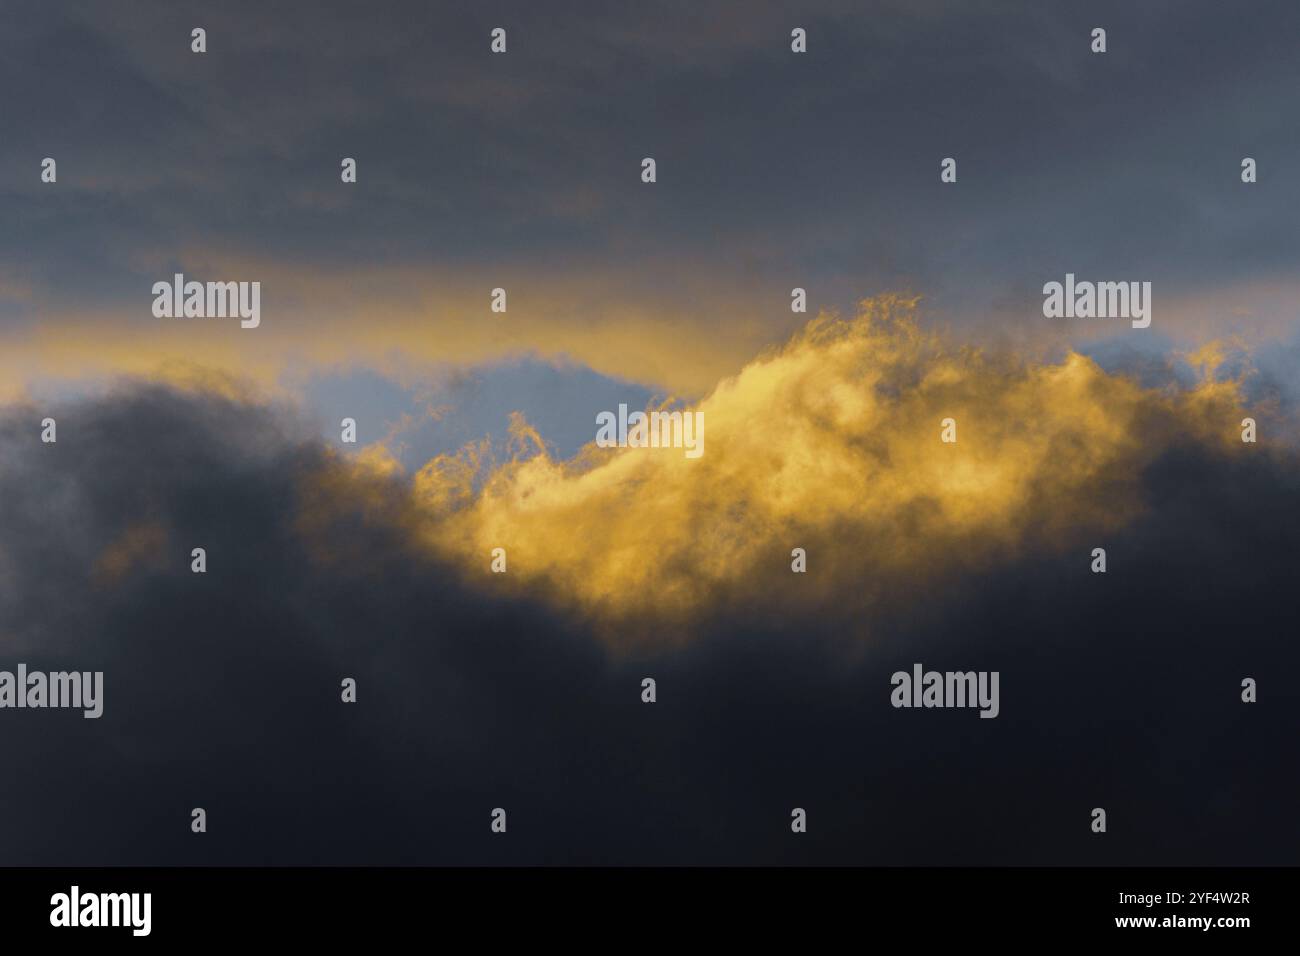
(830,443)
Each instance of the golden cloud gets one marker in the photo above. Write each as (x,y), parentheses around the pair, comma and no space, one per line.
(831,443)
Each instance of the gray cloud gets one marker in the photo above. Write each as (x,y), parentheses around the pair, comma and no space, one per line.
(824,167)
(221,691)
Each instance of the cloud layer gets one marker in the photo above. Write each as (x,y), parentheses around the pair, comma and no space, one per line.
(832,443)
(222,690)
(777,170)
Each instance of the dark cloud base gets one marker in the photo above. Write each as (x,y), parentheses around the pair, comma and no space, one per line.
(222,691)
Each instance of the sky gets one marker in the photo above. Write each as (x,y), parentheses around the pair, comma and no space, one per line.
(475,431)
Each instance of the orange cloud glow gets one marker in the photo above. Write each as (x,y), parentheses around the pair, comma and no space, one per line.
(830,443)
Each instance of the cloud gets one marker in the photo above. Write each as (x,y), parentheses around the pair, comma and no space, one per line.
(832,443)
(222,690)
(776,170)
(477,690)
(395,320)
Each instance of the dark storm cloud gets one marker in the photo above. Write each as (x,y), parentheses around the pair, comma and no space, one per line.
(222,690)
(823,167)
